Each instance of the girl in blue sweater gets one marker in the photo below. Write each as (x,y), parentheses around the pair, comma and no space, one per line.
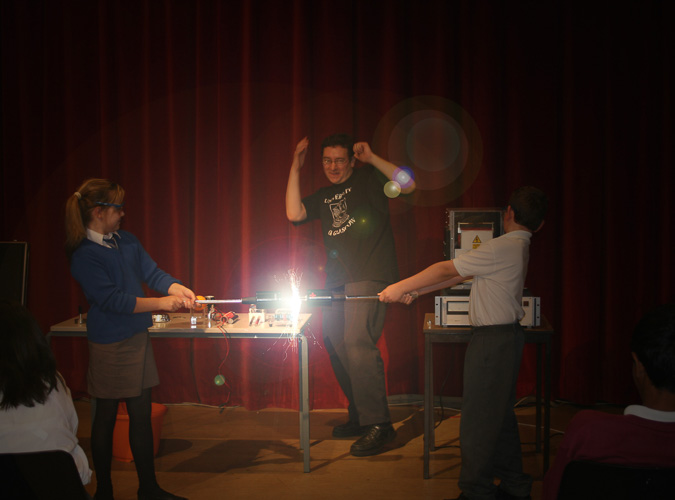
(111,265)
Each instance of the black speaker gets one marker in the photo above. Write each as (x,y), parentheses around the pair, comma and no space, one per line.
(14,271)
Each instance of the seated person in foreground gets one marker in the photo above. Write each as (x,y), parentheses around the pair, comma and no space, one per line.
(644,434)
(36,409)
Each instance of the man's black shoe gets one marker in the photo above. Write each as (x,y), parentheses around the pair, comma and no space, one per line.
(349,429)
(103,494)
(158,494)
(501,495)
(374,440)
(504,495)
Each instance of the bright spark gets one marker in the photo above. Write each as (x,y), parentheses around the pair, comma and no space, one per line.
(296,301)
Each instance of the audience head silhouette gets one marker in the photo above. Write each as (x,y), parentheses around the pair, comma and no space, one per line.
(27,365)
(653,351)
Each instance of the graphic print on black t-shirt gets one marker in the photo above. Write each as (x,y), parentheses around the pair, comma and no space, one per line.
(337,206)
(339,212)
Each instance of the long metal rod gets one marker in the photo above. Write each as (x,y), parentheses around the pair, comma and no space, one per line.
(255,300)
(220,301)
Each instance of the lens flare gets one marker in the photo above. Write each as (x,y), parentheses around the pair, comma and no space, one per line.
(392,189)
(439,140)
(404,176)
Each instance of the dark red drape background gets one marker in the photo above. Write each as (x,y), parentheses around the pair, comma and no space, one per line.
(196,107)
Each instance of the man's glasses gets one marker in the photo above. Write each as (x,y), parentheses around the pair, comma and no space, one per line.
(116,205)
(337,161)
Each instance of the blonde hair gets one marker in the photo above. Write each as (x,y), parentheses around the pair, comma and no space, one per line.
(81,204)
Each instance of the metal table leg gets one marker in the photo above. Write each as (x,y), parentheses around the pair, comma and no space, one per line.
(303,399)
(429,437)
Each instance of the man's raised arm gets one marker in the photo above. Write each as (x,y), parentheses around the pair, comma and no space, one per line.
(295,210)
(363,153)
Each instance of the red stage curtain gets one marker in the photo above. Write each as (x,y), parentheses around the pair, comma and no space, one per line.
(196,107)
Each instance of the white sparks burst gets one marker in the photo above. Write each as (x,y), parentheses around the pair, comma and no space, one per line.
(294,280)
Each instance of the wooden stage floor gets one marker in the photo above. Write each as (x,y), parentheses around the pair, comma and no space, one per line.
(208,454)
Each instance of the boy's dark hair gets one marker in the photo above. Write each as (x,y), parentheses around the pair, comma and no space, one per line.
(27,366)
(653,343)
(344,140)
(529,205)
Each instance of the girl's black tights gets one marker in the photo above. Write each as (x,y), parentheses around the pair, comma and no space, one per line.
(140,440)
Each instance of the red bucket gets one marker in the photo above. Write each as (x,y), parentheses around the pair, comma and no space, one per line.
(121,447)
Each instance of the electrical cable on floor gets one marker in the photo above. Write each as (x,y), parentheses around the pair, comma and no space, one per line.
(521,403)
(220,379)
(440,400)
(192,368)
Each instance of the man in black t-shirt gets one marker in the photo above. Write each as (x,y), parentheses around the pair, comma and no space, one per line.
(361,260)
